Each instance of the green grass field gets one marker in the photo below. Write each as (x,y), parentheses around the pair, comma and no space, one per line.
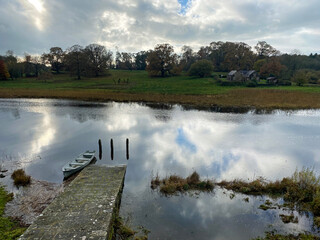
(122,85)
(138,82)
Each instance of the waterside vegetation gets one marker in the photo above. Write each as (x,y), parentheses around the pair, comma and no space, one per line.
(124,232)
(20,178)
(9,229)
(174,183)
(277,236)
(300,192)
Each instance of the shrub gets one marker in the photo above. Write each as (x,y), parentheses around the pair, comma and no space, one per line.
(303,186)
(300,77)
(20,178)
(252,84)
(229,83)
(201,68)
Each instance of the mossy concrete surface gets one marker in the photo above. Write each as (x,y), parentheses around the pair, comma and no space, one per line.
(85,209)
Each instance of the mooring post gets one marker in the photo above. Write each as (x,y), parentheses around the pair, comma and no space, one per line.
(111,145)
(127,147)
(100,149)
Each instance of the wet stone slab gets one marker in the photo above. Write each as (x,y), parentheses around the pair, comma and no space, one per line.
(85,209)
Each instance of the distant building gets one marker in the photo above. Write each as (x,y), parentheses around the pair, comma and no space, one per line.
(272,80)
(243,76)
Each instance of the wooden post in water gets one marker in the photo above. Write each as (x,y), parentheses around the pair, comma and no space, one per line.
(127,147)
(111,145)
(100,149)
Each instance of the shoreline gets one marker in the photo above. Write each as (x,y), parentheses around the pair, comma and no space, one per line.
(238,101)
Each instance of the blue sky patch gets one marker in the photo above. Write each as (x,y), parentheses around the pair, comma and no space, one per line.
(184,6)
(183,141)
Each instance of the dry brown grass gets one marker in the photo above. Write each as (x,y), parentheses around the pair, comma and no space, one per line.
(20,178)
(174,183)
(258,186)
(234,100)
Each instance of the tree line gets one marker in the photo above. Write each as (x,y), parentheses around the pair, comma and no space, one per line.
(95,60)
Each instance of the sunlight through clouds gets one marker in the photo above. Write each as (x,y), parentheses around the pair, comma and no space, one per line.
(38,4)
(137,25)
(35,10)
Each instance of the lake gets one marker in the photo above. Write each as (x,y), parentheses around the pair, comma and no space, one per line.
(41,135)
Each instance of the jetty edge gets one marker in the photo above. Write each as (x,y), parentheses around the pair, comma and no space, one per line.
(85,209)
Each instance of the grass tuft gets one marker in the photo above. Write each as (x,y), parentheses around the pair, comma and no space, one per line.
(174,183)
(124,232)
(20,178)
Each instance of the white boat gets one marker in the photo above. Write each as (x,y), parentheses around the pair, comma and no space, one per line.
(77,164)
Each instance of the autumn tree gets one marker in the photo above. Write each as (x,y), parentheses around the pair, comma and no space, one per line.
(238,56)
(4,74)
(161,61)
(54,58)
(98,59)
(75,60)
(201,68)
(272,68)
(15,68)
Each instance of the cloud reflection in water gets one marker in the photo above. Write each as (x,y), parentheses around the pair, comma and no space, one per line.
(165,141)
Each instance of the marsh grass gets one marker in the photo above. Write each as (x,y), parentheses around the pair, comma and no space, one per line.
(256,187)
(20,178)
(175,183)
(302,189)
(276,236)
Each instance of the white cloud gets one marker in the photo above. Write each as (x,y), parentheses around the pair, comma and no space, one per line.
(36,25)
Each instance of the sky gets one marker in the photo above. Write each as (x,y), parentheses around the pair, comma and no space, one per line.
(33,26)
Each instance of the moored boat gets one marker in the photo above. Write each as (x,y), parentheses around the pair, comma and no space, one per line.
(77,164)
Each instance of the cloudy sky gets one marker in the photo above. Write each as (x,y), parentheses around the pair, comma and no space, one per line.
(34,26)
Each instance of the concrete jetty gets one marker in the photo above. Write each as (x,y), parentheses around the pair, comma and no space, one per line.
(85,209)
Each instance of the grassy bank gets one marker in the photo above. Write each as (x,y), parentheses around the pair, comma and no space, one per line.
(8,229)
(136,86)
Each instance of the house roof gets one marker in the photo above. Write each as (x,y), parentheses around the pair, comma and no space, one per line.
(232,73)
(246,73)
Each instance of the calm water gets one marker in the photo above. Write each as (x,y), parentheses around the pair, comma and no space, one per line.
(42,135)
